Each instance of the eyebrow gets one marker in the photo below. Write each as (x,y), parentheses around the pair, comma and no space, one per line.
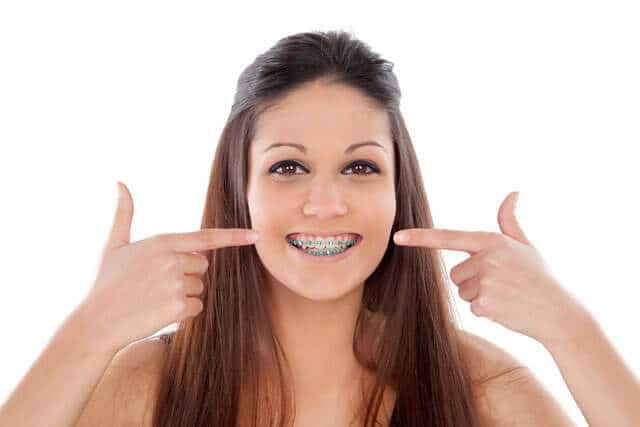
(304,149)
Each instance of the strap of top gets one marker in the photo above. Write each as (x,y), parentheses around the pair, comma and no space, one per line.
(166,338)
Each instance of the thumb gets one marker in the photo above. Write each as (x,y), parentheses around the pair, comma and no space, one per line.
(507,220)
(120,234)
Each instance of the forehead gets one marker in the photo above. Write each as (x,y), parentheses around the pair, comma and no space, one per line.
(323,113)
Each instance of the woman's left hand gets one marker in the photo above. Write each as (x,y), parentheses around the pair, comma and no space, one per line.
(505,278)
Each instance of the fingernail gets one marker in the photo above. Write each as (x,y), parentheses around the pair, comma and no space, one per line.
(400,237)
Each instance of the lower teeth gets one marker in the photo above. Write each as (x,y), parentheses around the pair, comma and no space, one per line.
(325,252)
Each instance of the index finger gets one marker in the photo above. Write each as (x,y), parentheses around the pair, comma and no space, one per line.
(207,239)
(441,238)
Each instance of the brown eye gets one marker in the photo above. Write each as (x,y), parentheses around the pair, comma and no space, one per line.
(363,167)
(289,167)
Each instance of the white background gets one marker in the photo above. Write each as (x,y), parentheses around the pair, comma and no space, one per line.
(541,97)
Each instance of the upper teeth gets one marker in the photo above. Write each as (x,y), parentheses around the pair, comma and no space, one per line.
(318,242)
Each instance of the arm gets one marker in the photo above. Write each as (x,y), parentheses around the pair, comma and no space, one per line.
(507,393)
(61,380)
(602,385)
(127,392)
(515,397)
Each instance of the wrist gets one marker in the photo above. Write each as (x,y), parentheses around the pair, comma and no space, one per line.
(77,332)
(573,332)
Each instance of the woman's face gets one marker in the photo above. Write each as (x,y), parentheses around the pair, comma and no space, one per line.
(322,190)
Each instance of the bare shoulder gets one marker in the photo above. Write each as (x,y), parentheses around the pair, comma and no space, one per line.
(486,360)
(506,391)
(124,394)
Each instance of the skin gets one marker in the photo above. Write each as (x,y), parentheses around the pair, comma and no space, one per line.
(314,305)
(507,280)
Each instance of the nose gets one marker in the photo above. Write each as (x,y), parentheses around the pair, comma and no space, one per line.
(325,200)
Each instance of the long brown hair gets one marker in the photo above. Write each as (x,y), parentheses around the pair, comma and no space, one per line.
(218,359)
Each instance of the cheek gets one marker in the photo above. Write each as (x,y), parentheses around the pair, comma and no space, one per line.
(378,216)
(269,208)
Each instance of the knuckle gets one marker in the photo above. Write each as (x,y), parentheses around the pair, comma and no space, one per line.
(178,285)
(192,285)
(485,280)
(462,290)
(189,284)
(196,305)
(190,307)
(178,306)
(479,306)
(204,260)
(453,274)
(491,260)
(199,287)
(467,290)
(171,263)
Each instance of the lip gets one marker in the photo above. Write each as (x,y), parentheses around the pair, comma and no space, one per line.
(324,259)
(323,234)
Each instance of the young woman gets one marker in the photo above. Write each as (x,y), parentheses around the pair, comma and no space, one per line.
(324,319)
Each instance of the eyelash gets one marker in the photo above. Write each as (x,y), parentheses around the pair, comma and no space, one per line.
(278,165)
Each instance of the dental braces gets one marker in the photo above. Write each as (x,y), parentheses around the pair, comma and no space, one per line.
(329,244)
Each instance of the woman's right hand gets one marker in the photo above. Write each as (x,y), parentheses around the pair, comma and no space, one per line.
(144,286)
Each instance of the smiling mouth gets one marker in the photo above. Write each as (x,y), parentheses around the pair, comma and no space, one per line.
(328,249)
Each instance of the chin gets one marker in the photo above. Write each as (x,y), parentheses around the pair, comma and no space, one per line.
(321,290)
(320,281)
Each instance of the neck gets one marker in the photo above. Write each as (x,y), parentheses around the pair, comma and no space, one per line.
(317,339)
